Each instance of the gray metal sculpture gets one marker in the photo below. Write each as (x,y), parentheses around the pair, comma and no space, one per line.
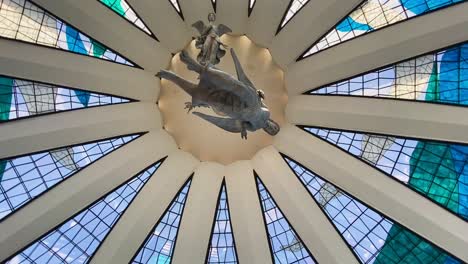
(228,96)
(209,42)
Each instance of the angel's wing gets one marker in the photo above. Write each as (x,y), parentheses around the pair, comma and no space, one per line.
(228,124)
(223,29)
(241,76)
(200,26)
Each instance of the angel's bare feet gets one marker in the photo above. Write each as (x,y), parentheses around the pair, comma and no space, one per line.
(243,132)
(189,106)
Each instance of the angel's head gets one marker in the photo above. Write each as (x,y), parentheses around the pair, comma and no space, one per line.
(211,17)
(271,127)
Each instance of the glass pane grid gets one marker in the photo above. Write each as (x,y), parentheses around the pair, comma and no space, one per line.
(159,247)
(437,170)
(440,77)
(285,244)
(373,237)
(222,248)
(20,98)
(24,178)
(122,8)
(375,14)
(296,5)
(23,20)
(78,239)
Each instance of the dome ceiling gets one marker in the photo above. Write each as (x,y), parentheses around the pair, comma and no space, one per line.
(100,163)
(208,142)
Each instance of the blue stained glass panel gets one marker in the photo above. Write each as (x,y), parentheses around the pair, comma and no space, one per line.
(373,237)
(375,14)
(77,240)
(159,246)
(440,77)
(222,247)
(286,245)
(122,8)
(27,177)
(21,98)
(434,169)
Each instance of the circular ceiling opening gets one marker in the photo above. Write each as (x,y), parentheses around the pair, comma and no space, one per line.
(204,140)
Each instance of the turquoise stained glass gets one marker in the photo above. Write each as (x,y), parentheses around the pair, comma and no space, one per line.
(285,244)
(77,239)
(436,170)
(6,95)
(26,177)
(373,237)
(375,14)
(122,8)
(222,249)
(22,98)
(25,21)
(159,246)
(439,77)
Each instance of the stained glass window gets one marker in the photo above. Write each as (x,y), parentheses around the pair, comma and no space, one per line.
(251,3)
(77,239)
(251,6)
(222,247)
(122,8)
(213,3)
(175,4)
(293,9)
(437,170)
(285,244)
(373,237)
(25,21)
(26,177)
(440,77)
(375,14)
(159,246)
(21,98)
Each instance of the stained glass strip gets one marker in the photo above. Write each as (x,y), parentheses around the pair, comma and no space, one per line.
(25,21)
(375,14)
(373,237)
(437,170)
(293,9)
(27,177)
(286,245)
(251,6)
(251,3)
(222,247)
(77,240)
(159,246)
(175,4)
(122,8)
(213,2)
(21,98)
(440,77)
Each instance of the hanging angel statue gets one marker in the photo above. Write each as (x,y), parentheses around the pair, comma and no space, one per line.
(235,98)
(209,42)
